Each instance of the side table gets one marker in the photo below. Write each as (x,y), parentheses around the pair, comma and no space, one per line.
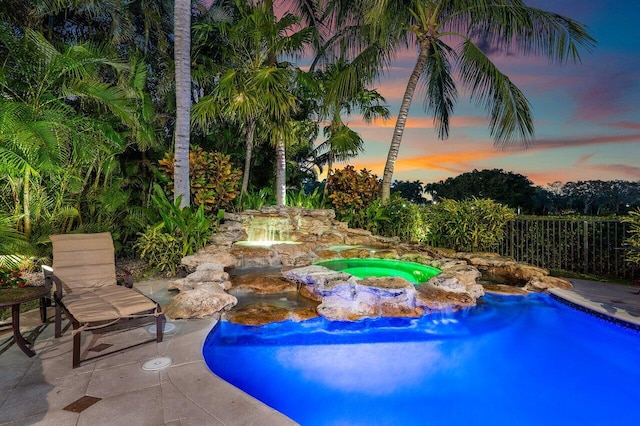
(14,297)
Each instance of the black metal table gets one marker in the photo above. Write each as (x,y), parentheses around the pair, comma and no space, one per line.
(14,297)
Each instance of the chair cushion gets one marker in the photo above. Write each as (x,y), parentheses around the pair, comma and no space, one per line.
(84,261)
(106,303)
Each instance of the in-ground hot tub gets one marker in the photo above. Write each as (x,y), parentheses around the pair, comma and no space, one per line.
(363,268)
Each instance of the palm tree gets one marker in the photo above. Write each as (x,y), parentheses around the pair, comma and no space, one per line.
(182,64)
(341,91)
(256,90)
(433,25)
(49,101)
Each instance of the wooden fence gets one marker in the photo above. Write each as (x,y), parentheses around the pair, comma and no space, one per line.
(594,247)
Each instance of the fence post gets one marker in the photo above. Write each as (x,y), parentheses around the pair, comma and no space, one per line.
(585,249)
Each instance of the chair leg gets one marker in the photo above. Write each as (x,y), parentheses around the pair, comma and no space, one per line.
(58,321)
(76,348)
(160,320)
(43,309)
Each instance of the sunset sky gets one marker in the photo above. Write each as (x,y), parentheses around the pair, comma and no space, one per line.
(587,116)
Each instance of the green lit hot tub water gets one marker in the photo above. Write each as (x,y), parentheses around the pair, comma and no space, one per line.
(363,268)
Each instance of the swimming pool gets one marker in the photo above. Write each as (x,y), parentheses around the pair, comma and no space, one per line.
(510,360)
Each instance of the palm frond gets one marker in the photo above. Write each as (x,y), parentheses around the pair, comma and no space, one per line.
(509,110)
(506,25)
(439,86)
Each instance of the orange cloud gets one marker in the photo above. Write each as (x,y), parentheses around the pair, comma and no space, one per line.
(417,122)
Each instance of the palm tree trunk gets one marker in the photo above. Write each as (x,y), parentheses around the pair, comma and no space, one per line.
(182,59)
(402,119)
(281,174)
(251,126)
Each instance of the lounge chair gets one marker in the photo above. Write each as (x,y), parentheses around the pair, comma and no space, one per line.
(86,290)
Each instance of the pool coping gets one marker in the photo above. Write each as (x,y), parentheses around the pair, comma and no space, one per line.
(617,303)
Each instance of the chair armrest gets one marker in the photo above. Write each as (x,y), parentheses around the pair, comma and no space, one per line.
(47,271)
(49,278)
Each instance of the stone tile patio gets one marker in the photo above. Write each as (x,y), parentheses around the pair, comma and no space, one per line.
(35,391)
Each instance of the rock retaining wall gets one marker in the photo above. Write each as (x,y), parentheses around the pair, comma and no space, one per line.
(341,296)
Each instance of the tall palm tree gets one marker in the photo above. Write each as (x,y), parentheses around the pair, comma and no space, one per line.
(432,26)
(256,89)
(182,64)
(341,91)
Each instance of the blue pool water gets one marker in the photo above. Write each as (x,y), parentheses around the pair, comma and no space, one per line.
(511,360)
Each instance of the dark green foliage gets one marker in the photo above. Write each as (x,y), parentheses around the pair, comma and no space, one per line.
(470,225)
(256,200)
(161,250)
(597,197)
(397,218)
(511,189)
(311,200)
(193,228)
(411,191)
(180,232)
(632,254)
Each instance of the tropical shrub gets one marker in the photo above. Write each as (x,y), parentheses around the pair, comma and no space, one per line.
(351,192)
(255,200)
(632,254)
(398,218)
(306,200)
(191,227)
(470,225)
(178,233)
(214,181)
(160,249)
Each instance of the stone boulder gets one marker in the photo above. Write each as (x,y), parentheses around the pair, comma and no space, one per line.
(201,302)
(370,298)
(318,280)
(296,254)
(205,274)
(385,254)
(459,279)
(544,283)
(264,313)
(515,274)
(210,254)
(325,254)
(437,299)
(506,290)
(347,298)
(266,284)
(503,269)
